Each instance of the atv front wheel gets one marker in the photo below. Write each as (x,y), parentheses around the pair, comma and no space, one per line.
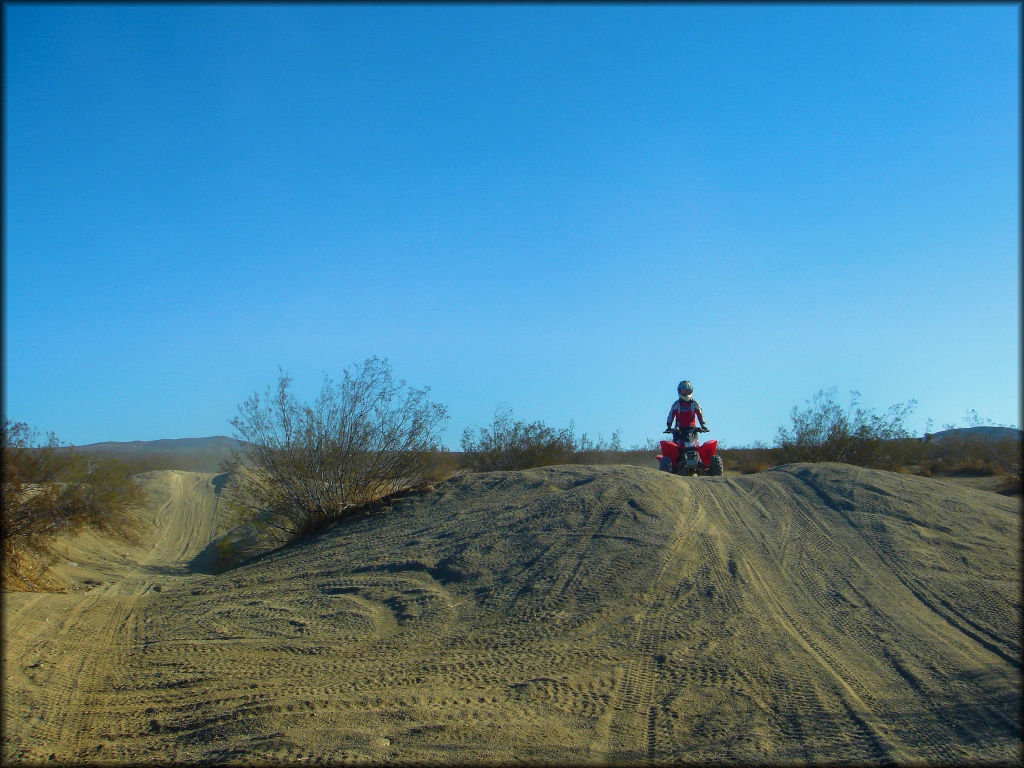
(665,465)
(716,467)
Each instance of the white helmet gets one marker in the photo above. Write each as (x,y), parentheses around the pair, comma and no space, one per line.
(685,389)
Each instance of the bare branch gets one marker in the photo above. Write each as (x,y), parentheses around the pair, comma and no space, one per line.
(303,465)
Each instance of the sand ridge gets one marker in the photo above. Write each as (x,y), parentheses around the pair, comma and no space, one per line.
(814,612)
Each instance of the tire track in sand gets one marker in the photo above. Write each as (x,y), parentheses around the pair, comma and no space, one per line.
(881,748)
(626,730)
(54,717)
(638,618)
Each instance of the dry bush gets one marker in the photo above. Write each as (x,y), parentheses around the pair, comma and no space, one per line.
(197,462)
(136,465)
(975,457)
(50,489)
(824,431)
(906,455)
(638,457)
(749,460)
(512,444)
(1011,485)
(600,451)
(440,464)
(971,455)
(303,466)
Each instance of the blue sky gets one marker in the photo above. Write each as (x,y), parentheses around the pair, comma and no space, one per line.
(565,209)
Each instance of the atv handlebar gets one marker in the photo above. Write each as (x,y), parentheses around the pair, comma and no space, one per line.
(669,431)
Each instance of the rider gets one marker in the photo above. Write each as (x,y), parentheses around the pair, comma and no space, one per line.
(685,410)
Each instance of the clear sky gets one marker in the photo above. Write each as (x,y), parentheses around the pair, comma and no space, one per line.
(562,208)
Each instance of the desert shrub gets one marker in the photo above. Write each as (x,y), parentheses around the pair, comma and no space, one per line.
(199,461)
(439,465)
(749,460)
(1011,485)
(906,454)
(599,451)
(511,443)
(970,419)
(50,489)
(612,451)
(225,551)
(825,431)
(966,456)
(963,453)
(638,457)
(135,465)
(302,466)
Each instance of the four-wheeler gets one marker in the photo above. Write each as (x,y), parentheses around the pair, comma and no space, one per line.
(685,456)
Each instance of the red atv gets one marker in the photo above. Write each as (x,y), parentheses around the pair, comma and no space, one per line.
(685,456)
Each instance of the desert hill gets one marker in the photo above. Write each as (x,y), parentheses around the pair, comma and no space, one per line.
(813,612)
(978,434)
(194,454)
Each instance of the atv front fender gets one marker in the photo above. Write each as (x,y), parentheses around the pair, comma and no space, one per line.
(706,451)
(669,450)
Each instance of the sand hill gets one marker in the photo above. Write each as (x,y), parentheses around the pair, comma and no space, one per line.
(568,614)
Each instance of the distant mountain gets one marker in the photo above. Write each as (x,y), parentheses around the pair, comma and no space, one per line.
(980,434)
(193,454)
(178,445)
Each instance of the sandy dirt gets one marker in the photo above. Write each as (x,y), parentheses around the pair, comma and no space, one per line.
(570,614)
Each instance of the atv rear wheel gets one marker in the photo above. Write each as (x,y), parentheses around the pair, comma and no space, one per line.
(665,465)
(716,467)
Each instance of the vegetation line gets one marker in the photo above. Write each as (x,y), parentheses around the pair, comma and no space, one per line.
(297,468)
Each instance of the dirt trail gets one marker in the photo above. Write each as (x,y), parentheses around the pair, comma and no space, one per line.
(567,614)
(63,651)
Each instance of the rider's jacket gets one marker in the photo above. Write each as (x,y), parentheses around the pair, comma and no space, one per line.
(684,412)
